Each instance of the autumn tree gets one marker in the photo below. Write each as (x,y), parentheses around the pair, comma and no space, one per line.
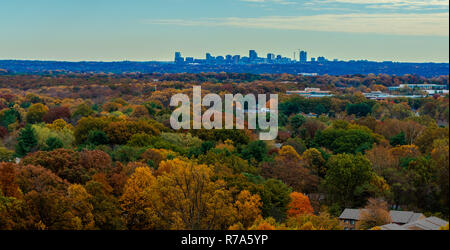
(136,202)
(121,132)
(426,139)
(36,113)
(105,206)
(299,205)
(185,197)
(315,161)
(8,185)
(289,168)
(309,221)
(81,207)
(6,155)
(375,213)
(63,162)
(56,113)
(248,208)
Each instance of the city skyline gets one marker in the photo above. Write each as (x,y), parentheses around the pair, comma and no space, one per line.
(136,30)
(253,57)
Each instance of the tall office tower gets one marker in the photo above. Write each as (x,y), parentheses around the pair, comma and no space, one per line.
(252,55)
(236,59)
(209,58)
(303,57)
(178,57)
(270,57)
(228,58)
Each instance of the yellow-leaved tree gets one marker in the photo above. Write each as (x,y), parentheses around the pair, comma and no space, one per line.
(135,200)
(185,197)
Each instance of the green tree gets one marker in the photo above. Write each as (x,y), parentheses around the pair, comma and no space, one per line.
(344,141)
(8,117)
(97,137)
(348,179)
(297,121)
(275,197)
(399,139)
(358,109)
(255,150)
(140,140)
(53,143)
(26,142)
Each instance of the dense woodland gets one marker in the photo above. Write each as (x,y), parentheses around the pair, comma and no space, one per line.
(96,151)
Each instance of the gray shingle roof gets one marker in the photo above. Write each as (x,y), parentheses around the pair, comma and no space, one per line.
(403,217)
(430,223)
(350,214)
(392,226)
(400,217)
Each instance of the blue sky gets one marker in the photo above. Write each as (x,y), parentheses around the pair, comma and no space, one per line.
(143,30)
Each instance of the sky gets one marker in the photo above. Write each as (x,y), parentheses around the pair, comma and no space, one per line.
(152,30)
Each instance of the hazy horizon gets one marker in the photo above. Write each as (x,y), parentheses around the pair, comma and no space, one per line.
(137,30)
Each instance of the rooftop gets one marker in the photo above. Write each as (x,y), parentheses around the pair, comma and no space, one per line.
(399,217)
(430,223)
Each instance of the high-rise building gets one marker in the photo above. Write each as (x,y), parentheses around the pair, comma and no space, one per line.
(303,56)
(178,57)
(189,59)
(228,58)
(252,55)
(270,56)
(236,59)
(321,59)
(220,60)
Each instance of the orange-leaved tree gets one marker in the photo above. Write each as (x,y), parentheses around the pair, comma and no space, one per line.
(299,205)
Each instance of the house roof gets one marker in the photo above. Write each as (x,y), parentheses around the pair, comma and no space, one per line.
(392,226)
(399,217)
(430,223)
(404,217)
(350,214)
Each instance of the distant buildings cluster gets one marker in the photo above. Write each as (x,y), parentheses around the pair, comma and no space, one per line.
(427,89)
(252,58)
(430,89)
(310,92)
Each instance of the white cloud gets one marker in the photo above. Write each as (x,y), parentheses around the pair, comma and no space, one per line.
(382,4)
(436,24)
(394,3)
(283,2)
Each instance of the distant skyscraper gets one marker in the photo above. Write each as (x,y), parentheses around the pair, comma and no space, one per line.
(270,56)
(303,56)
(321,59)
(189,59)
(220,59)
(252,55)
(228,58)
(178,57)
(236,59)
